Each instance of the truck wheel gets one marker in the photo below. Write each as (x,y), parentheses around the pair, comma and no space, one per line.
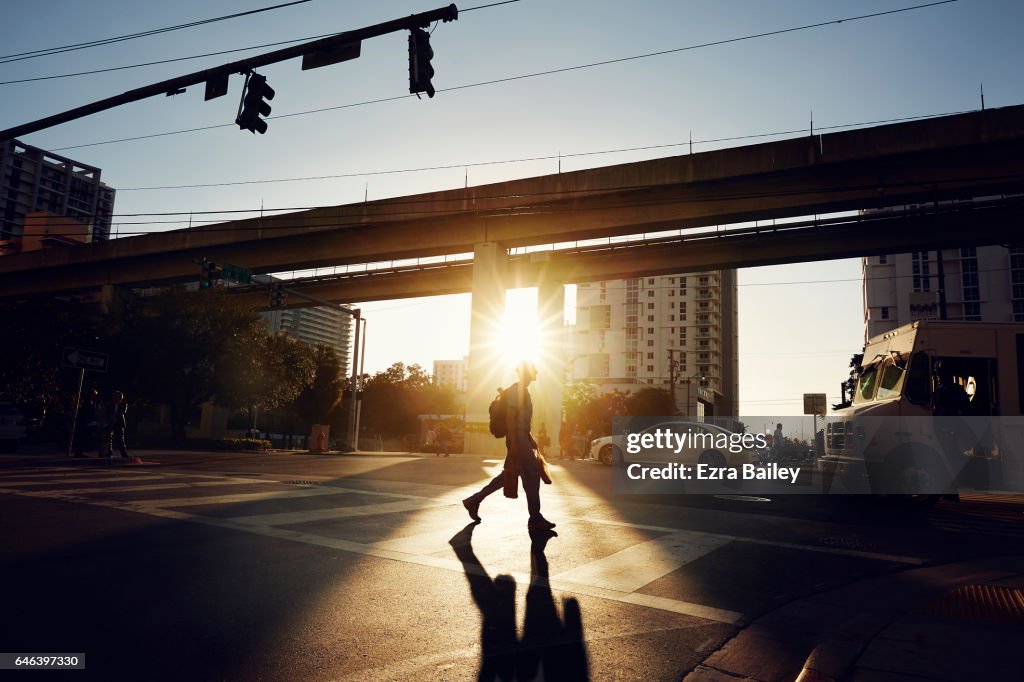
(917,476)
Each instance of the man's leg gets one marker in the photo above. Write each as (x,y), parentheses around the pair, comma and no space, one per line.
(530,473)
(472,503)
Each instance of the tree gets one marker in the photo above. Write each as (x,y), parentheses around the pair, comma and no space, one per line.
(849,386)
(181,348)
(31,344)
(392,399)
(588,410)
(650,402)
(269,374)
(322,395)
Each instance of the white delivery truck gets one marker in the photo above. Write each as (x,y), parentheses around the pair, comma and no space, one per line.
(937,409)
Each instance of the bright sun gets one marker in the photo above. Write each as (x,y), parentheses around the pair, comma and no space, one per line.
(520,335)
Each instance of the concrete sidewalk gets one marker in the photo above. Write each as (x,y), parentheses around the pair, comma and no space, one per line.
(961,621)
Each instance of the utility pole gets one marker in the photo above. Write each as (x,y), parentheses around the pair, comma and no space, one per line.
(315,53)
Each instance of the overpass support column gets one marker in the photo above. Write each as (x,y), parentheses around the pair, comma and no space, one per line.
(486,366)
(547,396)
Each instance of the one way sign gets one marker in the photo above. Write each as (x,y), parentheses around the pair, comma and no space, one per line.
(85,359)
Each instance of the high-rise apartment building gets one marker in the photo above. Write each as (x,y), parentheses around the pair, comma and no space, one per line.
(323,324)
(451,373)
(980,284)
(33,180)
(677,332)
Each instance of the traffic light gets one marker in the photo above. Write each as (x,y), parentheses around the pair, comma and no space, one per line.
(253,105)
(420,70)
(209,275)
(278,295)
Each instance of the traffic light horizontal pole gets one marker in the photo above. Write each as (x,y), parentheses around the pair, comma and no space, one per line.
(174,85)
(309,297)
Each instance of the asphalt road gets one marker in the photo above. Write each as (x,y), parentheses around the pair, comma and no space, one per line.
(298,567)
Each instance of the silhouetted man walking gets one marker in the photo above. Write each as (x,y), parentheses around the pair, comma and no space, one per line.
(520,451)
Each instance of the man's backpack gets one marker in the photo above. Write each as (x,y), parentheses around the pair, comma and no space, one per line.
(498,412)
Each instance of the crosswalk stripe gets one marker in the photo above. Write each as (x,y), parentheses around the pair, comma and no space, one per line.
(89,479)
(237,498)
(633,567)
(291,518)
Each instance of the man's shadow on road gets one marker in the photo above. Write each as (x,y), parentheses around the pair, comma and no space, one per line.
(551,648)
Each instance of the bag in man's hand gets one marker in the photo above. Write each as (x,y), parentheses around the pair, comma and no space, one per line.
(545,471)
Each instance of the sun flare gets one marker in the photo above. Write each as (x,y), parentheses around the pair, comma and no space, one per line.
(520,330)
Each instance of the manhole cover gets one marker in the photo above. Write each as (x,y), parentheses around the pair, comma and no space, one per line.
(981,603)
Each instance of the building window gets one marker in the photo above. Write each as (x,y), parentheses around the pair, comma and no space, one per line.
(650,343)
(650,281)
(1018,311)
(650,368)
(1016,273)
(650,306)
(650,318)
(883,259)
(671,318)
(650,330)
(672,305)
(885,312)
(971,284)
(671,280)
(650,294)
(920,268)
(650,356)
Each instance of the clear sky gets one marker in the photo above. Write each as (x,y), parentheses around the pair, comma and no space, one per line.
(798,324)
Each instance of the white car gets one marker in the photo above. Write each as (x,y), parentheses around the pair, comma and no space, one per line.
(12,427)
(611,449)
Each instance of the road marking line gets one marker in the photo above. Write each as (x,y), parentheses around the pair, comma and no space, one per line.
(158,486)
(775,543)
(89,479)
(291,518)
(633,567)
(238,498)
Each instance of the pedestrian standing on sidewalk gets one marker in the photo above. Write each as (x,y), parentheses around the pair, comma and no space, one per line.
(777,444)
(118,423)
(520,451)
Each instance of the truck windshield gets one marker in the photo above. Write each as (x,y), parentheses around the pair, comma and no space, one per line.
(893,373)
(866,385)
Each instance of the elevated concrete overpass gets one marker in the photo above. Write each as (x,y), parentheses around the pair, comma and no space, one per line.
(976,154)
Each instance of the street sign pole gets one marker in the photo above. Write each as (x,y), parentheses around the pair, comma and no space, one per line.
(74,413)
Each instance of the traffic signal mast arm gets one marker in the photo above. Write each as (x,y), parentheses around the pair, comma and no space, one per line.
(176,85)
(308,297)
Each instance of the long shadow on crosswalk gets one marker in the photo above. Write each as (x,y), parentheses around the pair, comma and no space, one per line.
(552,646)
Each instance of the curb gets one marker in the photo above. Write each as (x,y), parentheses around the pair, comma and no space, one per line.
(819,638)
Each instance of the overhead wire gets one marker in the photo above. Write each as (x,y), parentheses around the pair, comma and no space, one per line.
(44,52)
(164,61)
(537,74)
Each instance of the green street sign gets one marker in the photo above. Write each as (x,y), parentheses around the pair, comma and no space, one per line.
(236,273)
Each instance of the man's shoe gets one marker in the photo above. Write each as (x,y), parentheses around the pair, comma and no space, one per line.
(540,523)
(473,507)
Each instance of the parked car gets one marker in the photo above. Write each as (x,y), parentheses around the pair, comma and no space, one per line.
(12,427)
(611,449)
